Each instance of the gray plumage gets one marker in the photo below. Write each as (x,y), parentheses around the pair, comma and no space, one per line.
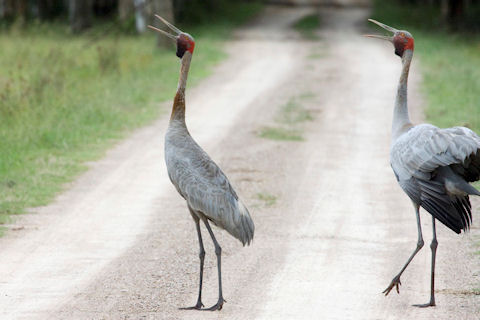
(433,166)
(203,184)
(209,195)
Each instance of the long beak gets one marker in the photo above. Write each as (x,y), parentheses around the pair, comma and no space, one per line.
(384,26)
(171,26)
(379,37)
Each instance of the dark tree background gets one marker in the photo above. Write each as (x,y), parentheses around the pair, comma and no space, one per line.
(127,15)
(82,14)
(137,14)
(454,13)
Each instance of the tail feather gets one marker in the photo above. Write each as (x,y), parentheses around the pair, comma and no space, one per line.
(243,229)
(466,187)
(454,211)
(470,168)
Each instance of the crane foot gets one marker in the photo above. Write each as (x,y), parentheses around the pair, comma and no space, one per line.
(426,305)
(198,306)
(218,306)
(395,283)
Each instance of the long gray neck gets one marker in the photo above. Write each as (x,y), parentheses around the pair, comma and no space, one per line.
(401,121)
(178,109)
(182,81)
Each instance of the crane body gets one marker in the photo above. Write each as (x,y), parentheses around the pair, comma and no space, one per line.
(209,195)
(433,166)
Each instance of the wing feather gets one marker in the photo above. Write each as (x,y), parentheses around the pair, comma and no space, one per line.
(424,148)
(207,190)
(419,155)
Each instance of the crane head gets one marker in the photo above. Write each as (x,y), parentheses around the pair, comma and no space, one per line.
(184,41)
(402,40)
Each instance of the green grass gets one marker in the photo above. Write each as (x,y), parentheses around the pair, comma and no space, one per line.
(64,100)
(267,198)
(308,25)
(289,121)
(293,112)
(276,133)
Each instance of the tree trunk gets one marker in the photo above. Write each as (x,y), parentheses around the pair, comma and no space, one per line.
(140,22)
(125,9)
(48,9)
(453,11)
(3,9)
(43,9)
(163,8)
(21,9)
(8,8)
(80,13)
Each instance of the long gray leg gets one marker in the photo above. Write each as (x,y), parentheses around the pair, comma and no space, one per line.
(199,304)
(218,252)
(433,246)
(396,280)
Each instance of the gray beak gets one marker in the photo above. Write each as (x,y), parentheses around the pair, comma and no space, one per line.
(384,26)
(168,24)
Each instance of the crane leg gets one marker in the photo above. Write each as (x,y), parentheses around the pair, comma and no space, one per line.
(218,252)
(396,280)
(199,304)
(433,246)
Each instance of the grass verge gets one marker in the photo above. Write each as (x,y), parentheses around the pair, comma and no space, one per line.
(64,100)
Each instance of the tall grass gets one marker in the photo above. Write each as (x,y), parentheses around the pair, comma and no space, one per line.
(64,99)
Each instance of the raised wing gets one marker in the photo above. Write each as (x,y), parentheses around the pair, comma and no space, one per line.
(424,148)
(425,158)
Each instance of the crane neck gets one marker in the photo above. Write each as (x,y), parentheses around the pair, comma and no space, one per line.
(178,109)
(401,121)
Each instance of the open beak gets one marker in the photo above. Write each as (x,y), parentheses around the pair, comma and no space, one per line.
(384,26)
(171,26)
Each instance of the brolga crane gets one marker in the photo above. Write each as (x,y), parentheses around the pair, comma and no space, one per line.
(205,188)
(433,166)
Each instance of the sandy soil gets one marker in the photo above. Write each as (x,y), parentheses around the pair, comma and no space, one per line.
(120,244)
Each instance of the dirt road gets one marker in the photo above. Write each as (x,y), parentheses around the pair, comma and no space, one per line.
(120,243)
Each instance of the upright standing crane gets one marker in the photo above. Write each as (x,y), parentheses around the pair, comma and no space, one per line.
(433,166)
(208,193)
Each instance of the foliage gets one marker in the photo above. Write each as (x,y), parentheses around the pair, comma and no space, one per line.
(206,12)
(428,15)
